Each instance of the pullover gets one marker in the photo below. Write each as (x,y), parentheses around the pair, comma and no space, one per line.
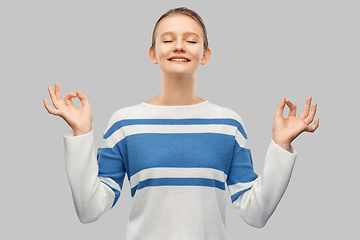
(179,161)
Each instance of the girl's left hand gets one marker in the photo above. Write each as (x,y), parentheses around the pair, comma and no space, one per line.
(285,130)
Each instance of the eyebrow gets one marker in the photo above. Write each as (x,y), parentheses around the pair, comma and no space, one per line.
(186,33)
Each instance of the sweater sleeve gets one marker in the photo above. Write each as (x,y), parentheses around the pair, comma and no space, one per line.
(257,204)
(93,192)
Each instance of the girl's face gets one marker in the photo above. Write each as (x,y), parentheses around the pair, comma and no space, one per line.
(179,46)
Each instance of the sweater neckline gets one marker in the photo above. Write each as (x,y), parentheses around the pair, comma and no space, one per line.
(176,106)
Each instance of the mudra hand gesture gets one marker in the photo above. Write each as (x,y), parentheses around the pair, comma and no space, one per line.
(285,130)
(79,119)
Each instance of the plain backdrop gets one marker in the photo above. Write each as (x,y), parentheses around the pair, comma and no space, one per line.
(261,51)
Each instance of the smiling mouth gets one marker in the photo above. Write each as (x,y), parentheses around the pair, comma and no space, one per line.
(177,59)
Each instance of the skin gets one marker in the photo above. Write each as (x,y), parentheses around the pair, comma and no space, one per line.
(285,130)
(79,119)
(180,35)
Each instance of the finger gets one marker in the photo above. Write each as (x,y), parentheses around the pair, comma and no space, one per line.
(50,109)
(68,98)
(313,127)
(53,97)
(292,108)
(82,98)
(311,115)
(305,112)
(280,107)
(57,91)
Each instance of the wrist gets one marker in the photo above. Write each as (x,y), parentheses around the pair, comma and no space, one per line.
(284,145)
(78,132)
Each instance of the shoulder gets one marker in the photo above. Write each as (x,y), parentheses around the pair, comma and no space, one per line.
(235,120)
(224,112)
(123,114)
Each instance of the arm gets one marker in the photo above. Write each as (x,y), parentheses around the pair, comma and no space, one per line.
(257,204)
(91,197)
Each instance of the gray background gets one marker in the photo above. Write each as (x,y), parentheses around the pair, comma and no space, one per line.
(262,50)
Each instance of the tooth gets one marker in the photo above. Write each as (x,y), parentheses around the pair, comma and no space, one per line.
(179,59)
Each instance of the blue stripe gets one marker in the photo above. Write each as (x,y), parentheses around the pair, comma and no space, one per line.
(188,121)
(200,150)
(242,169)
(117,193)
(237,195)
(205,182)
(111,165)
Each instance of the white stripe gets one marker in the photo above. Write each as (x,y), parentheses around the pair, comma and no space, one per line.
(104,144)
(119,134)
(111,183)
(240,139)
(239,187)
(177,173)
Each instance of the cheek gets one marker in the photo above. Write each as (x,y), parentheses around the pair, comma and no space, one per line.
(162,52)
(199,56)
(197,53)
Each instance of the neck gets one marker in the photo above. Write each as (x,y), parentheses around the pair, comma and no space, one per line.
(177,91)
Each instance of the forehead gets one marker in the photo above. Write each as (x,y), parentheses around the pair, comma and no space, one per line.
(178,24)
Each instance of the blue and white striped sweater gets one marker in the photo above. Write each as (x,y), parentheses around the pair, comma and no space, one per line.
(139,145)
(178,160)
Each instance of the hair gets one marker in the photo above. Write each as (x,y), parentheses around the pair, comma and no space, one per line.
(187,12)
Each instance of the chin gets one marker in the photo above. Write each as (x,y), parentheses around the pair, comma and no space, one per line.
(181,72)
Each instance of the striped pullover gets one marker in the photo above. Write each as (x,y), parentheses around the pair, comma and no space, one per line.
(180,161)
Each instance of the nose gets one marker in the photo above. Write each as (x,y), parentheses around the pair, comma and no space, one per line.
(179,47)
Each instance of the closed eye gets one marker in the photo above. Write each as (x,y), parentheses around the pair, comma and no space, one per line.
(191,42)
(168,41)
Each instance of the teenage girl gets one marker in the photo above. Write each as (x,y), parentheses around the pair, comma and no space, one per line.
(178,150)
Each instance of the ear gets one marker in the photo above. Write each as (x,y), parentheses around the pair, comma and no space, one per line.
(152,56)
(206,56)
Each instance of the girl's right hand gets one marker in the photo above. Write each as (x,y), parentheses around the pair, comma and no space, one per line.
(79,119)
